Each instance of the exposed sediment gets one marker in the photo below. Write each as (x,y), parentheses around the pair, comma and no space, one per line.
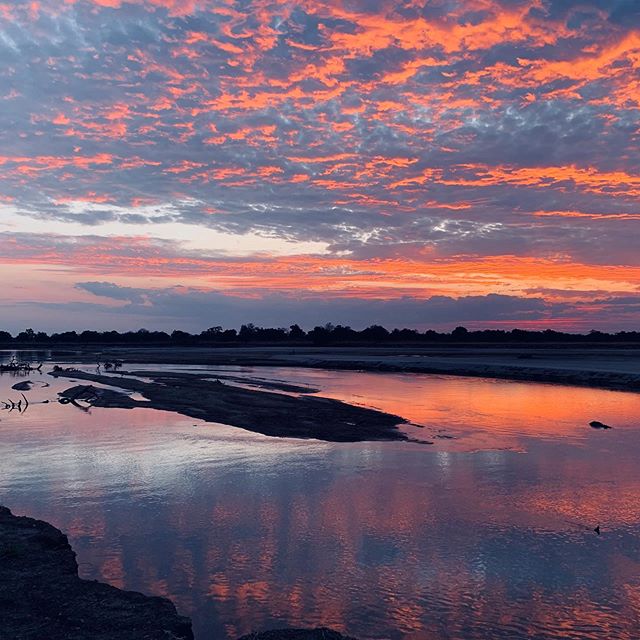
(615,368)
(41,595)
(265,412)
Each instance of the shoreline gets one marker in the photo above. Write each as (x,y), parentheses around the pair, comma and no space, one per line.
(616,369)
(42,596)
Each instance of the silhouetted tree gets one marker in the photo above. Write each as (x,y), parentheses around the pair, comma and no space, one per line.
(247,332)
(320,335)
(28,335)
(375,333)
(212,333)
(460,333)
(296,333)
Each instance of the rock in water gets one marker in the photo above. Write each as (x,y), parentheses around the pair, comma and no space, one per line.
(599,425)
(42,597)
(23,386)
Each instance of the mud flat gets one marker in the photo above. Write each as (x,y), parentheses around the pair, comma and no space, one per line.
(41,595)
(611,367)
(265,412)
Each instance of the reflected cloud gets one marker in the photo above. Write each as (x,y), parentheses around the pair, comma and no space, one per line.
(460,539)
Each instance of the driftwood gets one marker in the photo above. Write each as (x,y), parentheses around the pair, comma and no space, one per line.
(19,367)
(596,424)
(110,365)
(85,393)
(11,405)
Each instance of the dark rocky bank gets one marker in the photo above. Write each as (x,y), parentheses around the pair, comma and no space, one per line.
(42,597)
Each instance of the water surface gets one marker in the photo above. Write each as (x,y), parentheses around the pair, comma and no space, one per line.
(487,533)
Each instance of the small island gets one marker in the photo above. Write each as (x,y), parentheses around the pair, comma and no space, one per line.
(199,395)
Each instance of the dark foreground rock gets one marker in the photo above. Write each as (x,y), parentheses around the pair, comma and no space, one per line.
(297,634)
(42,597)
(272,414)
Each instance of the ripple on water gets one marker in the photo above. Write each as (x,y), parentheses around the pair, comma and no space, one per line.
(465,540)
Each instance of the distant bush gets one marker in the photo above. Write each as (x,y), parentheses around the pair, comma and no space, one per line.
(328,334)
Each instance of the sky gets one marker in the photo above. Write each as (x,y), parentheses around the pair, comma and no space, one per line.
(181,164)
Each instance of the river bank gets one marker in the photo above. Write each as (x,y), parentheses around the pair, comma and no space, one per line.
(615,368)
(41,595)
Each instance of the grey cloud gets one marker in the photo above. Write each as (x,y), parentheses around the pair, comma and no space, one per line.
(195,310)
(199,309)
(113,291)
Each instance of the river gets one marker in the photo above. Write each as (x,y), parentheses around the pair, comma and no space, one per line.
(485,533)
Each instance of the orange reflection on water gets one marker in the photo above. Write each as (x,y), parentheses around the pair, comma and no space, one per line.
(392,540)
(488,413)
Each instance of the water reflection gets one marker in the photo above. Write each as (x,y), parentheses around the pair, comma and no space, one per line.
(486,536)
(479,413)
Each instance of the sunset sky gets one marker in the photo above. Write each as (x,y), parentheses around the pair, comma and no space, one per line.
(427,163)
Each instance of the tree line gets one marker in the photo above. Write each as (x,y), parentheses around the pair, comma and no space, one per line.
(327,334)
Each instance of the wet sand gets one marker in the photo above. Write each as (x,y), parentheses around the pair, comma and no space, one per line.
(265,412)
